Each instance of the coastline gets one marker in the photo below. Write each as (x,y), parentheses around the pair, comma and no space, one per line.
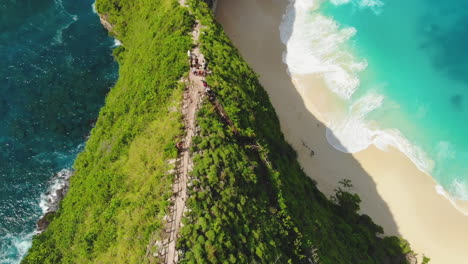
(395,193)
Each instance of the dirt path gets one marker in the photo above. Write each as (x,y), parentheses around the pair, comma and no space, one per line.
(164,250)
(191,102)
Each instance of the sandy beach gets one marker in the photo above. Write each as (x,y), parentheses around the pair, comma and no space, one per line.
(395,193)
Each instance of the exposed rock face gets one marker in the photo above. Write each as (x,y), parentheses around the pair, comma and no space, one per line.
(43,223)
(51,201)
(411,259)
(105,23)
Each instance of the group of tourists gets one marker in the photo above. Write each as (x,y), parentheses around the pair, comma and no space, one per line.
(198,68)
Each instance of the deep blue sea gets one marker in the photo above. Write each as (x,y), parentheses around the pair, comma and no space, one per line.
(55,70)
(401,70)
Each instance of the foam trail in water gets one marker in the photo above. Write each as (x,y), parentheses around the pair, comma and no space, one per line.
(375,5)
(58,39)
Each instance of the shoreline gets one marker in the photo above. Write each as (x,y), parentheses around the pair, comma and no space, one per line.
(395,193)
(50,201)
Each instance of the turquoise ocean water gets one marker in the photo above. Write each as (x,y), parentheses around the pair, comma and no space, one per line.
(55,69)
(401,67)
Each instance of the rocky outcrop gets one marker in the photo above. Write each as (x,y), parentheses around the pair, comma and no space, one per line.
(411,258)
(44,222)
(105,22)
(50,201)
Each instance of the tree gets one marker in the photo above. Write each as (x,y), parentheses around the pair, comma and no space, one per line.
(348,202)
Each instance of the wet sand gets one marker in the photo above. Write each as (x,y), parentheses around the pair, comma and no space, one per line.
(395,193)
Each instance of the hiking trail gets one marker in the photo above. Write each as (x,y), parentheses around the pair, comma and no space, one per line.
(165,250)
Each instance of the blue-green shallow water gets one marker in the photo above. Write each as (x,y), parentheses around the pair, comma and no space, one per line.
(55,69)
(418,60)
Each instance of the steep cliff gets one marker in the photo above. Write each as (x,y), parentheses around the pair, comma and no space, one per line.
(247,200)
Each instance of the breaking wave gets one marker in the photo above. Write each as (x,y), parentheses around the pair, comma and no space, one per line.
(20,244)
(117,43)
(317,44)
(58,187)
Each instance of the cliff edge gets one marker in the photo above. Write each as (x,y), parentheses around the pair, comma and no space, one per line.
(247,199)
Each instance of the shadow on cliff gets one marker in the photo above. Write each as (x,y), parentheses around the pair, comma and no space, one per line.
(261,51)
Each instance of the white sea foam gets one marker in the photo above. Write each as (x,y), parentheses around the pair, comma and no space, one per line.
(58,39)
(352,134)
(355,133)
(371,3)
(116,43)
(340,2)
(58,186)
(375,5)
(48,202)
(93,6)
(315,45)
(453,200)
(20,245)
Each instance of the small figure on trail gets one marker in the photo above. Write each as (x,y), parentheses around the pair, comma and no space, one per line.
(200,73)
(205,84)
(196,61)
(195,72)
(179,146)
(210,93)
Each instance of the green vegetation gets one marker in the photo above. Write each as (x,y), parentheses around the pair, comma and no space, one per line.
(250,202)
(119,191)
(425,260)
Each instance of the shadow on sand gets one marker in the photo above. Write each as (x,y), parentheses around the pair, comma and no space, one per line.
(264,52)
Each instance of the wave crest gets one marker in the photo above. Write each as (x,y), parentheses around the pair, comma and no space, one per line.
(355,133)
(58,187)
(316,45)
